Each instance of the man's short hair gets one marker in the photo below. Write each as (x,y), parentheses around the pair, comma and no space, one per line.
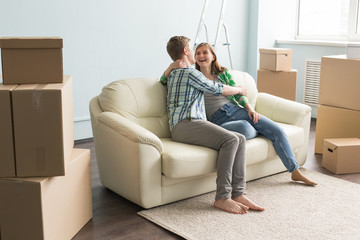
(176,45)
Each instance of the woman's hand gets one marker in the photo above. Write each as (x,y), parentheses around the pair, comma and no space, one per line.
(254,116)
(177,64)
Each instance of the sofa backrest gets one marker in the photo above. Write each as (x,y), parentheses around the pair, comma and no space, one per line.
(246,80)
(142,100)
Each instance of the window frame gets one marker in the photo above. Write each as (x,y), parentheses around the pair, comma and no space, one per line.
(354,20)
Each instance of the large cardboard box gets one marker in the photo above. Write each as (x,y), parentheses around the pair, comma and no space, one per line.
(43,128)
(281,84)
(340,82)
(275,59)
(333,122)
(7,154)
(47,208)
(341,155)
(31,60)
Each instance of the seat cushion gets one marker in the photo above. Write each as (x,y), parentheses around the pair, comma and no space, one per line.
(180,160)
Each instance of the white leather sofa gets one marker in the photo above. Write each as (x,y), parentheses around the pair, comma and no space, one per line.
(138,160)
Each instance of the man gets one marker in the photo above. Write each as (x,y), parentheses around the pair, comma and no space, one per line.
(188,124)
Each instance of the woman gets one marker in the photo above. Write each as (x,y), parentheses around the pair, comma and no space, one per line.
(236,114)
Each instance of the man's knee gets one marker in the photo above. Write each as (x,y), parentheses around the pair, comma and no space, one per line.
(241,138)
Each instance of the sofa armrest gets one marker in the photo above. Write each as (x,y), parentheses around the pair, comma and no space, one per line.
(130,130)
(128,158)
(282,110)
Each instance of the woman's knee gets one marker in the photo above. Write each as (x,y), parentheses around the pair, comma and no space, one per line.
(242,127)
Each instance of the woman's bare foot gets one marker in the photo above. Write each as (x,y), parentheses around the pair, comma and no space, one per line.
(247,202)
(298,176)
(230,206)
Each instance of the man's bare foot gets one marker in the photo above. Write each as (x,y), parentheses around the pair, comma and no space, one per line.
(230,206)
(247,202)
(298,176)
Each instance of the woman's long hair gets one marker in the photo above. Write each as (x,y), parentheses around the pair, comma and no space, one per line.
(216,68)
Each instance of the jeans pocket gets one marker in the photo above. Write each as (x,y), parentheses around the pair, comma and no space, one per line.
(222,115)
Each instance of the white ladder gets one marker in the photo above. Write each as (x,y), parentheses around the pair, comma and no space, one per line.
(220,24)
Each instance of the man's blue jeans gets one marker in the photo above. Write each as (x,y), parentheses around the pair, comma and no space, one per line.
(235,118)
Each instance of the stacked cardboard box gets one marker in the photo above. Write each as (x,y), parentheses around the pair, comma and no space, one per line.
(275,75)
(338,115)
(342,155)
(45,183)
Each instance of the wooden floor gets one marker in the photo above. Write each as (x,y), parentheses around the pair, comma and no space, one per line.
(116,218)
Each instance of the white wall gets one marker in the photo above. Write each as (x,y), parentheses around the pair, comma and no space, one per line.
(113,39)
(268,21)
(276,20)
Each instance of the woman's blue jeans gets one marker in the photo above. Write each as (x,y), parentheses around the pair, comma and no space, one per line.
(235,118)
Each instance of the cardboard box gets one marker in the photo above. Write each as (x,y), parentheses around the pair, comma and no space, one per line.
(341,155)
(31,60)
(340,82)
(333,122)
(7,154)
(275,59)
(43,128)
(353,51)
(47,208)
(281,84)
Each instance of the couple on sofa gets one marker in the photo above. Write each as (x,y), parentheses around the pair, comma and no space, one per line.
(208,92)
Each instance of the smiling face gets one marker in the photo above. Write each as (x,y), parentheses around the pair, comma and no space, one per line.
(204,56)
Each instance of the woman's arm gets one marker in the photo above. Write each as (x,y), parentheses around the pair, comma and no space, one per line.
(177,64)
(252,114)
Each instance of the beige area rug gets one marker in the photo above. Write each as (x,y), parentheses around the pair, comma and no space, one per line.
(328,211)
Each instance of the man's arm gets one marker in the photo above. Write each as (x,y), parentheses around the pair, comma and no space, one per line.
(228,90)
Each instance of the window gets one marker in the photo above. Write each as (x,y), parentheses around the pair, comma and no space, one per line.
(328,19)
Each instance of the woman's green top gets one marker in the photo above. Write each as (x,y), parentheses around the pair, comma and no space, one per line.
(225,78)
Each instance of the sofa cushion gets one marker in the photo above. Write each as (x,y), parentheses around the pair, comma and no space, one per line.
(142,100)
(184,160)
(180,160)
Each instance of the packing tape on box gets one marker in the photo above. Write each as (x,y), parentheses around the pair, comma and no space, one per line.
(37,98)
(37,102)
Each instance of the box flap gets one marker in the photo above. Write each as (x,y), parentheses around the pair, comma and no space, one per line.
(31,42)
(275,50)
(344,141)
(27,180)
(6,87)
(335,56)
(49,86)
